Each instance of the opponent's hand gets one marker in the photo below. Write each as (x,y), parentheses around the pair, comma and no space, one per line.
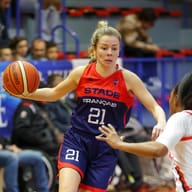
(109,135)
(157,129)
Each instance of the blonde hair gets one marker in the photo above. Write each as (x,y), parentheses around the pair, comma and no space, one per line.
(102,29)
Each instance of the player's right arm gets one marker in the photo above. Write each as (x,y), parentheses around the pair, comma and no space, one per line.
(52,94)
(137,87)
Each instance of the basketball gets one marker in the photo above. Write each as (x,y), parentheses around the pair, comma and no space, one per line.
(20,78)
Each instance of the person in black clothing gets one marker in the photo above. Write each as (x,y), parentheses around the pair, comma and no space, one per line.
(4,37)
(33,127)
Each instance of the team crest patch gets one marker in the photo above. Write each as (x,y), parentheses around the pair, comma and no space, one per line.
(115,81)
(90,79)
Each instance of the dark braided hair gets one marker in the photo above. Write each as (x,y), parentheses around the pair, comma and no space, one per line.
(185,91)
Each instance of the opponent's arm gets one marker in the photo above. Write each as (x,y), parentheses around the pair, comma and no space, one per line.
(147,149)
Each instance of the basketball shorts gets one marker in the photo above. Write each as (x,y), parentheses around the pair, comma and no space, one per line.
(94,160)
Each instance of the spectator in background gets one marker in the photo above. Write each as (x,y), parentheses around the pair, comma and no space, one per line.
(6,53)
(52,51)
(11,157)
(50,16)
(4,37)
(136,40)
(38,50)
(10,163)
(33,127)
(20,47)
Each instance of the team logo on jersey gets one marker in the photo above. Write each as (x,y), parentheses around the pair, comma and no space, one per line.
(115,82)
(103,92)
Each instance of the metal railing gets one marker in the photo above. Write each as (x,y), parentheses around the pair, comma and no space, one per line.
(63,26)
(170,70)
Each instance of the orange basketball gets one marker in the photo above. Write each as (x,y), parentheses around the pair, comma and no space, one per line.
(20,77)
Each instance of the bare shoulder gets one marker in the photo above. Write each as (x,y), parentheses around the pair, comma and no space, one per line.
(129,75)
(78,71)
(132,80)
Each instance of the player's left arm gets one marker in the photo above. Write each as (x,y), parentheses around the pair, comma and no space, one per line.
(137,87)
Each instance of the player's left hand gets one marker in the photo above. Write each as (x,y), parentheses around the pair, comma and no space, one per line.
(109,135)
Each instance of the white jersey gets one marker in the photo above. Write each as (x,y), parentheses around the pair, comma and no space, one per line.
(177,136)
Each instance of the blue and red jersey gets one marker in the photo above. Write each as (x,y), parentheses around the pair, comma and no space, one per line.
(101,100)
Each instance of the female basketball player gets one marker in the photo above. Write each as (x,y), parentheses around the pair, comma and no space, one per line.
(176,137)
(105,94)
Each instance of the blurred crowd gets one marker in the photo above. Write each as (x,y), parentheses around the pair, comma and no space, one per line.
(18,49)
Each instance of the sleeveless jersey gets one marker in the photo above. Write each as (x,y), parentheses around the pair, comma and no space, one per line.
(101,100)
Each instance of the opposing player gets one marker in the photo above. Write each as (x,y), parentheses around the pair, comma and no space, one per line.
(176,137)
(105,94)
